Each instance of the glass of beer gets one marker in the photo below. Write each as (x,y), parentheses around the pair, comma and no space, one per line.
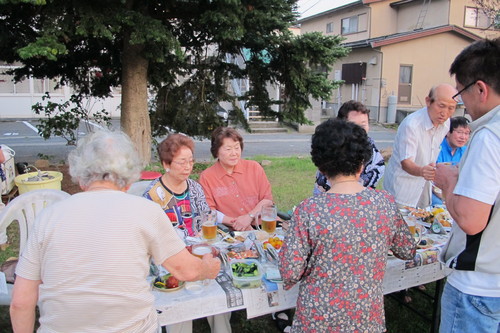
(268,217)
(209,225)
(199,250)
(414,227)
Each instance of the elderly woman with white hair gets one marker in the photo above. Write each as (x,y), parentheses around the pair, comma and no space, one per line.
(88,257)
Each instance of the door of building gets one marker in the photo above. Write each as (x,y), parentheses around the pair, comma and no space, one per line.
(404,88)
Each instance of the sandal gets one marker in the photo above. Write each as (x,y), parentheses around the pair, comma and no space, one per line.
(282,321)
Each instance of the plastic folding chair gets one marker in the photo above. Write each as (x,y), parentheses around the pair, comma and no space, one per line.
(24,209)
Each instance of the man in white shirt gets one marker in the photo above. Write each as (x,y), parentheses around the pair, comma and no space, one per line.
(471,297)
(416,147)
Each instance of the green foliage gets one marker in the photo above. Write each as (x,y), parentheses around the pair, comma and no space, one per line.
(194,50)
(63,119)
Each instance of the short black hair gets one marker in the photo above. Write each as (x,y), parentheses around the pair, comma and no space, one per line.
(351,106)
(479,61)
(457,122)
(339,147)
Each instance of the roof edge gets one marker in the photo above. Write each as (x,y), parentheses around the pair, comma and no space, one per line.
(326,12)
(424,33)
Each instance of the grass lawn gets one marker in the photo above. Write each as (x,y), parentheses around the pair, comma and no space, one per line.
(292,180)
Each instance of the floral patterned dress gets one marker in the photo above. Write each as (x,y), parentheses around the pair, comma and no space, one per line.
(336,247)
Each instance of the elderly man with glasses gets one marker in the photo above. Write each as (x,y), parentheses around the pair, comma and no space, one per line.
(471,296)
(412,165)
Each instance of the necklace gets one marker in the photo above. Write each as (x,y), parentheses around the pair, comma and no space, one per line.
(179,188)
(345,181)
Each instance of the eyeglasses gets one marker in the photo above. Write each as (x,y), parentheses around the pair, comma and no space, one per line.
(183,163)
(466,133)
(458,96)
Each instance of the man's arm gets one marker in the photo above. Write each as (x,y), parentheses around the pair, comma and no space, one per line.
(426,171)
(374,170)
(186,267)
(23,304)
(471,215)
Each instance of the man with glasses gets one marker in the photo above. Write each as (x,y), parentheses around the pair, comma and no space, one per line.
(452,149)
(412,165)
(471,297)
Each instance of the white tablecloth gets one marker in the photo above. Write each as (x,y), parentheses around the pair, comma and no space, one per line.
(180,305)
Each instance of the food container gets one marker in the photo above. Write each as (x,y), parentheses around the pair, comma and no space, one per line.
(34,181)
(254,281)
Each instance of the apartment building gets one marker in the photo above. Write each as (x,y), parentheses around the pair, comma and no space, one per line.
(400,49)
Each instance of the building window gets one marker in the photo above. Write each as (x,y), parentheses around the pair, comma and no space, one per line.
(329,27)
(478,18)
(349,25)
(7,85)
(354,24)
(39,86)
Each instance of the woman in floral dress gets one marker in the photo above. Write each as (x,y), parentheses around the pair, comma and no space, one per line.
(337,242)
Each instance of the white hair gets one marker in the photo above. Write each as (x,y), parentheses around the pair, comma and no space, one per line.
(105,155)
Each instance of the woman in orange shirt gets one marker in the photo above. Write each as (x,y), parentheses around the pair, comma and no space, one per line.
(236,188)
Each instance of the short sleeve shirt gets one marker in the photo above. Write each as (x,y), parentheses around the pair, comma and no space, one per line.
(419,140)
(238,193)
(92,253)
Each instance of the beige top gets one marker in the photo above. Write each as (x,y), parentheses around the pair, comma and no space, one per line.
(91,252)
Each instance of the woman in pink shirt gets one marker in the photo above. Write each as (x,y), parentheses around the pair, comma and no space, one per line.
(236,188)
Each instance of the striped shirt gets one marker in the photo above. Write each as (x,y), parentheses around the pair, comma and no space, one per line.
(92,253)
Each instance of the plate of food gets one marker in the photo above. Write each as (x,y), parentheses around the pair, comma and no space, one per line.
(445,219)
(167,283)
(422,214)
(425,243)
(235,237)
(243,254)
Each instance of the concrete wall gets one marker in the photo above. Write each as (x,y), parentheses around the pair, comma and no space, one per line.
(437,15)
(383,19)
(14,106)
(430,57)
(457,17)
(320,23)
(368,91)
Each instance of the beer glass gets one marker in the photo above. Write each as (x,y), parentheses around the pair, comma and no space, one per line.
(209,225)
(269,215)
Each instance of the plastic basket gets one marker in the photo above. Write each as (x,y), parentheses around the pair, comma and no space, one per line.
(51,181)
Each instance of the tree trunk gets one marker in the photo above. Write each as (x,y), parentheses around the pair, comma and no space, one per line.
(134,109)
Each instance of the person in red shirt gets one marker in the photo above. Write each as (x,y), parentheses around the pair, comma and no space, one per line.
(236,188)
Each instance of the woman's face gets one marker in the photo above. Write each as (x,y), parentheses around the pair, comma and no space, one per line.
(181,165)
(229,153)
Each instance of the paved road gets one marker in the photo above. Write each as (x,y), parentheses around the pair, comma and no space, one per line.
(22,136)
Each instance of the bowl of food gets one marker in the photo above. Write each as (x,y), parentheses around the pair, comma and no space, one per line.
(168,283)
(246,273)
